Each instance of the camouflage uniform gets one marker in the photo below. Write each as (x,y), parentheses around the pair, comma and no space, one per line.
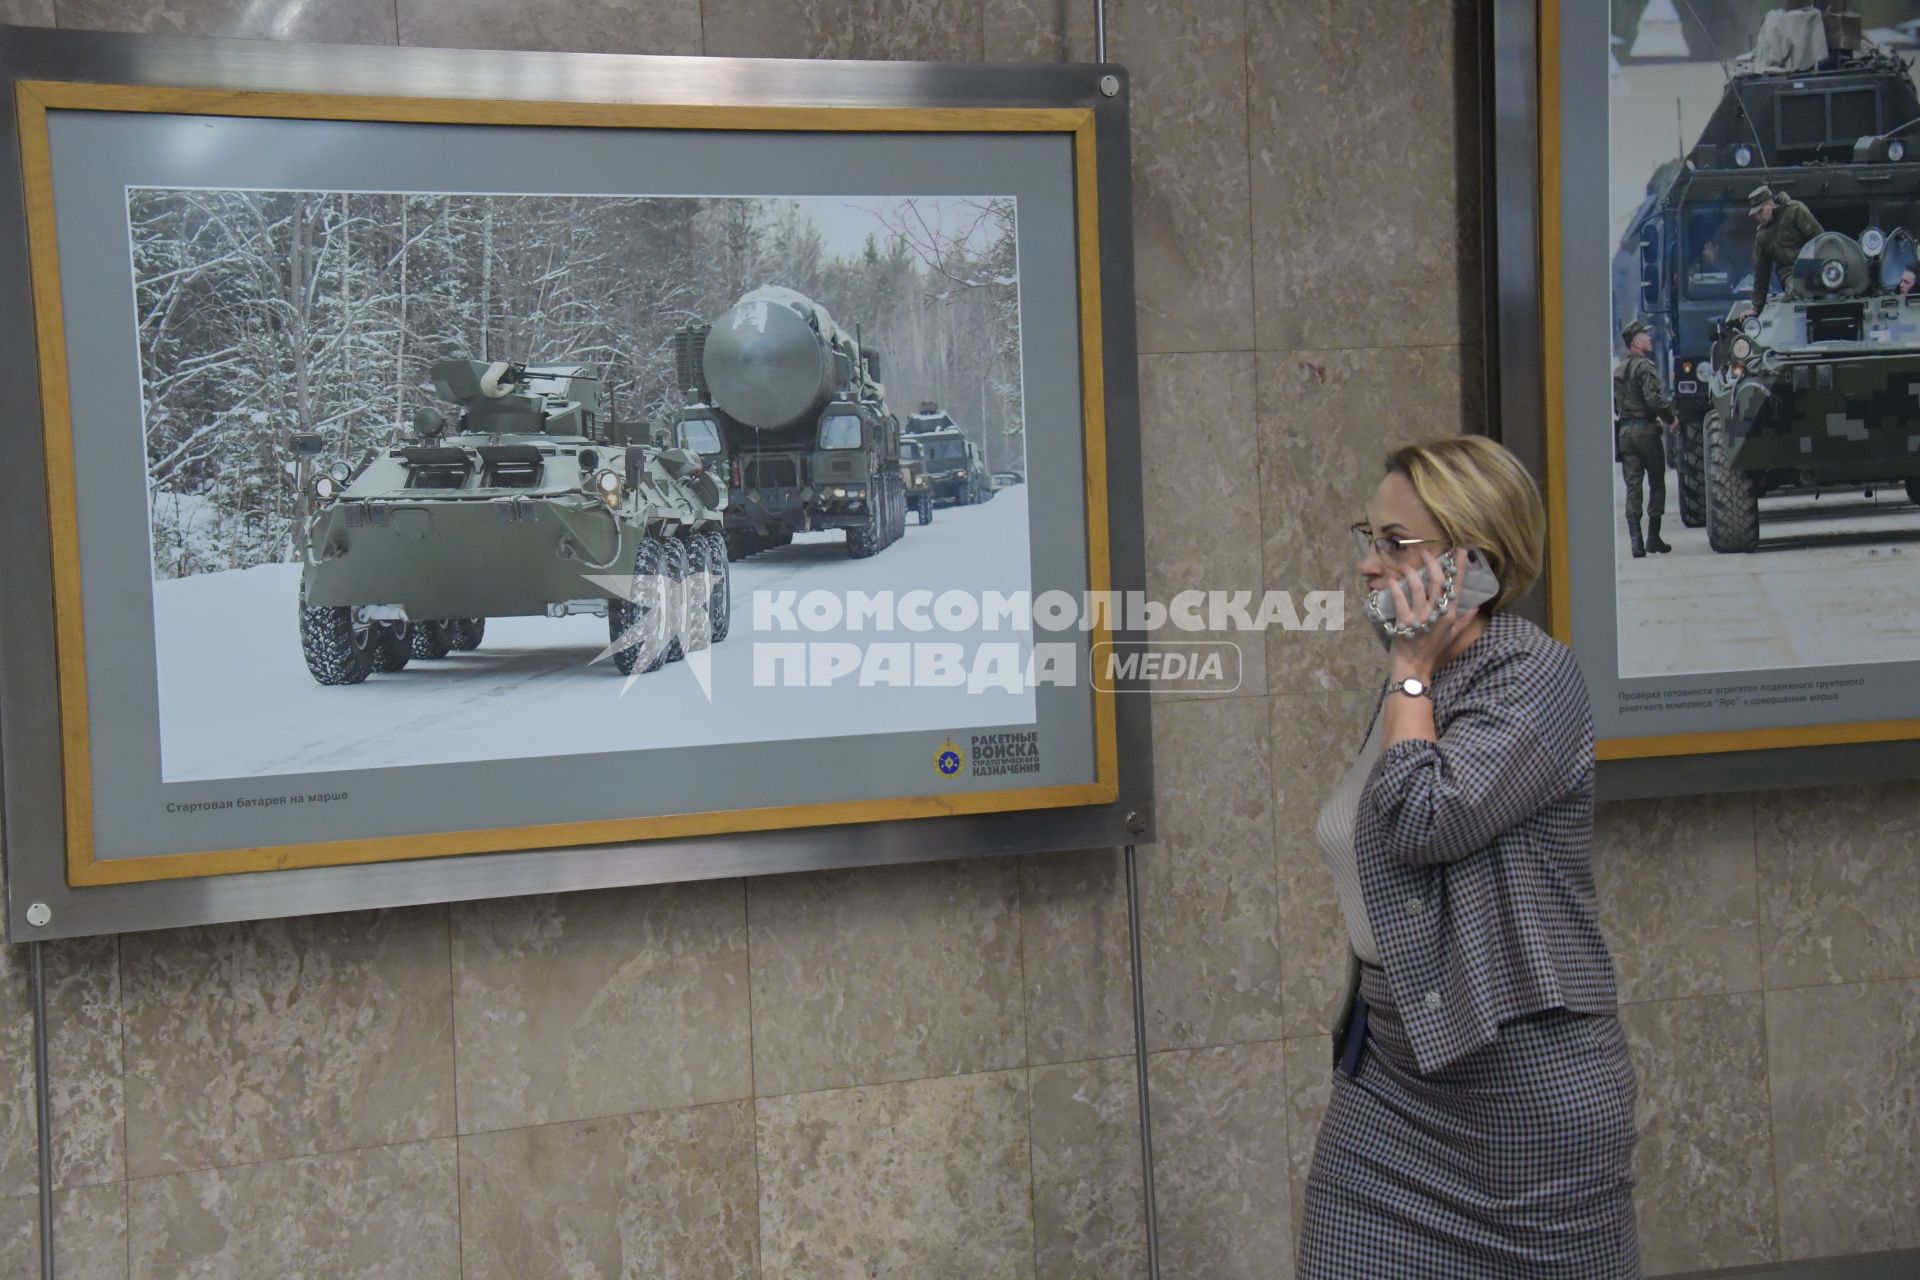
(1779,242)
(1642,404)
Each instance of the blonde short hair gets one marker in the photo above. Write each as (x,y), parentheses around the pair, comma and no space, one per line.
(1480,496)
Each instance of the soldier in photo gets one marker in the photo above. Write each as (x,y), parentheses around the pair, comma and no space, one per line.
(1785,226)
(1640,404)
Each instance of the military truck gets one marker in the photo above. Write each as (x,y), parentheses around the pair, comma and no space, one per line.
(794,405)
(522,505)
(955,464)
(1842,137)
(913,468)
(1820,387)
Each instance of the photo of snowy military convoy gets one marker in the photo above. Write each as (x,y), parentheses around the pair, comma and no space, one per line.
(451,477)
(1764,206)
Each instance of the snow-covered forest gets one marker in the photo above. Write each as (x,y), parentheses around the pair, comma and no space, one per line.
(266,313)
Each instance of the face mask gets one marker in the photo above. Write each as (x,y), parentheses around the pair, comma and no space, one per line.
(1472,587)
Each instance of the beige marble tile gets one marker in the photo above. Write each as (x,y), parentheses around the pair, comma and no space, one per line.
(1316,737)
(1220,1163)
(1327,421)
(1089,1212)
(286,1037)
(89,1234)
(925,30)
(1202,518)
(1678,898)
(1357,189)
(335,22)
(929,1179)
(1843,1062)
(1192,240)
(665,1194)
(584,26)
(1309,1068)
(598,1004)
(1705,1156)
(384,1213)
(885,973)
(1039,31)
(27,13)
(1210,947)
(84,1065)
(1073,920)
(1838,880)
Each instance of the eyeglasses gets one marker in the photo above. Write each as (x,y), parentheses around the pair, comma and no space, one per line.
(1386,548)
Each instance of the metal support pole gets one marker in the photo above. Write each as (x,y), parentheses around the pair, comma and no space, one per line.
(43,1095)
(1140,1066)
(1099,30)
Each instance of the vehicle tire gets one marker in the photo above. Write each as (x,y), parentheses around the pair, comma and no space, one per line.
(741,543)
(1687,461)
(467,633)
(679,614)
(863,539)
(1913,490)
(393,646)
(925,507)
(638,624)
(1733,505)
(720,602)
(430,639)
(335,652)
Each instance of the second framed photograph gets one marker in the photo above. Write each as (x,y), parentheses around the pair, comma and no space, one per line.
(1730,225)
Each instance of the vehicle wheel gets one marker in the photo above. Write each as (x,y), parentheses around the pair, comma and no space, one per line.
(1686,461)
(925,507)
(720,599)
(638,624)
(1733,506)
(741,543)
(467,633)
(1913,489)
(430,639)
(392,647)
(681,636)
(863,539)
(336,651)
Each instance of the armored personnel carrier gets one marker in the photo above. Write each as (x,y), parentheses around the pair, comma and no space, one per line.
(1820,387)
(795,406)
(955,464)
(520,505)
(1842,136)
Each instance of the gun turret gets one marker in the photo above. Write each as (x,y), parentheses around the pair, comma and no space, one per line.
(503,397)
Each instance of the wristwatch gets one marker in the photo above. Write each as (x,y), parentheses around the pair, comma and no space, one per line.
(1412,686)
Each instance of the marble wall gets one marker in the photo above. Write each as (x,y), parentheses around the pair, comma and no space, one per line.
(923,1070)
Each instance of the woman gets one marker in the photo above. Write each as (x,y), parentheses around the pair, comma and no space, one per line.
(1481,1123)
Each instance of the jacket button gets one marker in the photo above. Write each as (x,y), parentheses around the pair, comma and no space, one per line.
(1433,999)
(1415,906)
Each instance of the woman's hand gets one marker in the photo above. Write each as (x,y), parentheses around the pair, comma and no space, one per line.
(1420,655)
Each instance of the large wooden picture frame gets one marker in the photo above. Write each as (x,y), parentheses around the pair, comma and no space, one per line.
(56,77)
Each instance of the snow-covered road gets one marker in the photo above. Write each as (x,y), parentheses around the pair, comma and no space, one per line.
(236,700)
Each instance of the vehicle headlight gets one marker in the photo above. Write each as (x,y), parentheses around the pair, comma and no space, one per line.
(608,484)
(1738,370)
(326,488)
(1750,324)
(839,492)
(1742,348)
(1743,155)
(1833,273)
(1896,151)
(1874,241)
(340,472)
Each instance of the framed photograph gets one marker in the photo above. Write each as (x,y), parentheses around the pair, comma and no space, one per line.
(1729,204)
(623,481)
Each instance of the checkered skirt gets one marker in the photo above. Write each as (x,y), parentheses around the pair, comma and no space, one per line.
(1513,1161)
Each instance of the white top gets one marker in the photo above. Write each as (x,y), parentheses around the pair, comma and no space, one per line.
(1335,833)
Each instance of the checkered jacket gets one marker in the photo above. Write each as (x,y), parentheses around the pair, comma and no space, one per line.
(1475,851)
